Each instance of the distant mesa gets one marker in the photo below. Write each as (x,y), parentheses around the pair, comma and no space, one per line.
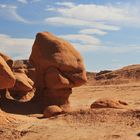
(124,75)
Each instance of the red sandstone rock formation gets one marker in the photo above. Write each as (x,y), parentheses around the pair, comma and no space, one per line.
(59,68)
(7,78)
(13,76)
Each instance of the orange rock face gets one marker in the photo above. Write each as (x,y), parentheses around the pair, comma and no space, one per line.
(59,68)
(23,83)
(7,78)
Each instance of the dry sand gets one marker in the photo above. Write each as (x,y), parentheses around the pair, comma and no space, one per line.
(82,123)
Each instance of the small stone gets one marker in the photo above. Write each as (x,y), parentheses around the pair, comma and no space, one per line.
(52,110)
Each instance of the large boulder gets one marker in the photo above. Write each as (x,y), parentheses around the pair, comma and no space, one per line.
(7,78)
(59,68)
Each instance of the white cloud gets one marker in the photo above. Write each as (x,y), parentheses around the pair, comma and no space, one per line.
(87,47)
(108,49)
(49,8)
(122,14)
(64,21)
(9,12)
(84,39)
(35,1)
(92,32)
(27,1)
(66,4)
(23,1)
(93,19)
(83,17)
(17,48)
(85,43)
(92,12)
(119,14)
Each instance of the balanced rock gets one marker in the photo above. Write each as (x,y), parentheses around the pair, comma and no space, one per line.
(7,78)
(108,103)
(59,67)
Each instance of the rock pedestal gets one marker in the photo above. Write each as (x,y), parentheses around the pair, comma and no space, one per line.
(59,68)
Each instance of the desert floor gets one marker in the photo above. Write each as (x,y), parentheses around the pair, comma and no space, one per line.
(82,123)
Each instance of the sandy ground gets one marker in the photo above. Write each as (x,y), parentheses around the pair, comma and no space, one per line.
(82,123)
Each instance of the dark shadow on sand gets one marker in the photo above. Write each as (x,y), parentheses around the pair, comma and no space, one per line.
(16,107)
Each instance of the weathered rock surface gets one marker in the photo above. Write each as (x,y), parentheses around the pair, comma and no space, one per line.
(14,77)
(59,68)
(22,86)
(23,83)
(7,78)
(108,103)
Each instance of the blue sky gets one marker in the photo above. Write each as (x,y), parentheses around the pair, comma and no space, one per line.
(106,32)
